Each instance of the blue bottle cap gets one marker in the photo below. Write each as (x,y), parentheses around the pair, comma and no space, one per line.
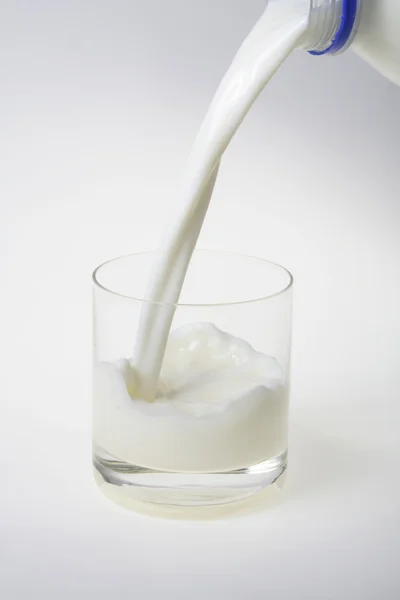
(347,23)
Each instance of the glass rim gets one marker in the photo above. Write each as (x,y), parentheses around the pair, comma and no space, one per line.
(280,292)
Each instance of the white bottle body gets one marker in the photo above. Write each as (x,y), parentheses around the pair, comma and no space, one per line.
(377,40)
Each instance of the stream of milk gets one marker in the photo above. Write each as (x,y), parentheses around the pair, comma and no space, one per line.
(270,42)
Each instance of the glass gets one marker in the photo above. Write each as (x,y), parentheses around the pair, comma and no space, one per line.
(229,442)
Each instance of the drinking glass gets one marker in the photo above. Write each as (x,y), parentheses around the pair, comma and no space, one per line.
(213,452)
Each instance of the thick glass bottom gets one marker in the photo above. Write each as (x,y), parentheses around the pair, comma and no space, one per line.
(187,489)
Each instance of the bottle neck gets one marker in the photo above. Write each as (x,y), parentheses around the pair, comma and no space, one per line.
(332,25)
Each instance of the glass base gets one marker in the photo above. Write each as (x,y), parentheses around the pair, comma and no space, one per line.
(187,489)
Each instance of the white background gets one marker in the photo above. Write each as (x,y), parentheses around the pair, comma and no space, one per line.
(100,101)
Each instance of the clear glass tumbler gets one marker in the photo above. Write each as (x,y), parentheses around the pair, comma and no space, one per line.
(222,435)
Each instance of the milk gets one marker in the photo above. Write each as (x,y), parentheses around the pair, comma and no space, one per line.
(275,35)
(198,399)
(220,405)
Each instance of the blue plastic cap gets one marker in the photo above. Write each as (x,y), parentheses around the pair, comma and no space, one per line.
(347,22)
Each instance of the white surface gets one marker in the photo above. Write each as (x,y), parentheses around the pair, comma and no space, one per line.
(312,181)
